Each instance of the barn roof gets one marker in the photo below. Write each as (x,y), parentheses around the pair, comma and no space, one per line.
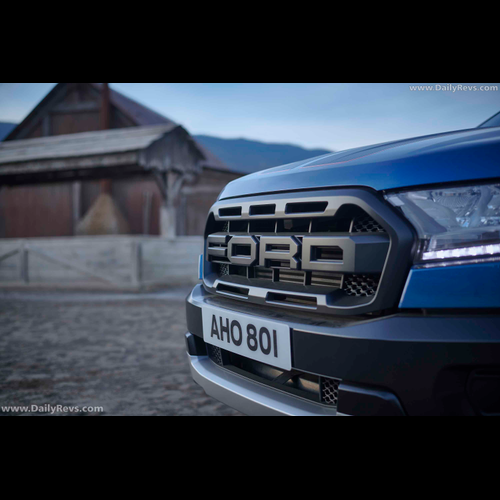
(145,147)
(139,114)
(84,144)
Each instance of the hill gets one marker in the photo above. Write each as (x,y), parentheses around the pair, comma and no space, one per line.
(250,156)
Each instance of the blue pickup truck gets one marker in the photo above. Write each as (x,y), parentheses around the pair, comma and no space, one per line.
(362,282)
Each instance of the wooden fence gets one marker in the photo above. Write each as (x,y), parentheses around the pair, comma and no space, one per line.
(118,262)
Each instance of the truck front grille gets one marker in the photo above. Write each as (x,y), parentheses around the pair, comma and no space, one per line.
(325,251)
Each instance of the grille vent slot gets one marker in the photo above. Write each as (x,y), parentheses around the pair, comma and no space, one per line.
(230,212)
(289,276)
(263,273)
(331,280)
(235,291)
(262,209)
(302,301)
(306,207)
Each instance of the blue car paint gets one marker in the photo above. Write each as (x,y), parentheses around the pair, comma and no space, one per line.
(466,286)
(463,156)
(436,159)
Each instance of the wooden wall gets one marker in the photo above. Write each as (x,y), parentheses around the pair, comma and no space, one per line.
(36,210)
(43,210)
(129,194)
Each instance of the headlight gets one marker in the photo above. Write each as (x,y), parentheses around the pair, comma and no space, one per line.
(454,223)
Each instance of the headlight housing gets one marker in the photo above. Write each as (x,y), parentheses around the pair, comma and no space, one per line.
(457,223)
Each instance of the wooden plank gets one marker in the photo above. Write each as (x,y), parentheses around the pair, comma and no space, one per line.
(8,254)
(136,263)
(76,107)
(46,125)
(23,263)
(147,198)
(77,204)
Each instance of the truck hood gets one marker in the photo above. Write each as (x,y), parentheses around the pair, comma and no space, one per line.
(466,155)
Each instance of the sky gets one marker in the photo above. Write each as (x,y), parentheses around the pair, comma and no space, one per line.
(333,116)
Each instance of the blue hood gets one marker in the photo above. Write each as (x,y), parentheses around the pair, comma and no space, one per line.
(467,155)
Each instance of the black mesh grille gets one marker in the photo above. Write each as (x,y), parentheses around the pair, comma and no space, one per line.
(215,354)
(330,391)
(365,224)
(224,270)
(360,285)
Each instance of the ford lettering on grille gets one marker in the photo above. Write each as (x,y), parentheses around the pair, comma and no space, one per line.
(354,254)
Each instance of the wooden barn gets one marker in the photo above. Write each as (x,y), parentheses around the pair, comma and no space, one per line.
(89,161)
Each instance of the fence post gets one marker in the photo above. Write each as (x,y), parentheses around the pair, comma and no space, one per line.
(136,264)
(23,263)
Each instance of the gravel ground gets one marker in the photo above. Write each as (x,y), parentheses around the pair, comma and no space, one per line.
(124,353)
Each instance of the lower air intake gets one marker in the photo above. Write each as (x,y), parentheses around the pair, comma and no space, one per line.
(215,354)
(330,391)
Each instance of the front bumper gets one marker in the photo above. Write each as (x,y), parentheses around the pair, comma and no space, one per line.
(247,396)
(404,364)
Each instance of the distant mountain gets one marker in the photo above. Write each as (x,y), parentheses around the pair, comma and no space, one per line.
(250,156)
(5,128)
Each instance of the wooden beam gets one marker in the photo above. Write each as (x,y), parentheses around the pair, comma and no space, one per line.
(76,107)
(105,111)
(46,125)
(147,198)
(23,263)
(99,160)
(9,254)
(161,181)
(77,204)
(136,262)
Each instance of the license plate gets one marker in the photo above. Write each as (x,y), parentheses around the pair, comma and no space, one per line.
(251,337)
